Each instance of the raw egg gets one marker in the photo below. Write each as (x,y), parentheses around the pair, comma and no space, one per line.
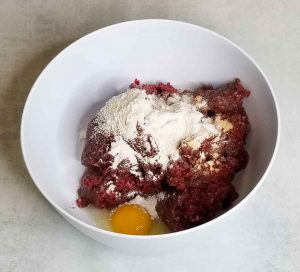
(131,219)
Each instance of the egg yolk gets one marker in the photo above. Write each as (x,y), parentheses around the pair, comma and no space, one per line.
(131,219)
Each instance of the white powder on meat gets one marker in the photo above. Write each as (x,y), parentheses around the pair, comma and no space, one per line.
(170,123)
(148,203)
(121,150)
(111,187)
(82,135)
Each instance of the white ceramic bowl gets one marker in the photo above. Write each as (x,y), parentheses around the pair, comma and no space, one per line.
(94,68)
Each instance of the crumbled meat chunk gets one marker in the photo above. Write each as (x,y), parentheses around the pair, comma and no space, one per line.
(197,186)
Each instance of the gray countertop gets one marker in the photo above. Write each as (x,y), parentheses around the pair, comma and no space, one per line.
(264,235)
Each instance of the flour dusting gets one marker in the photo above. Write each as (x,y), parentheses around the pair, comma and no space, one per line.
(161,125)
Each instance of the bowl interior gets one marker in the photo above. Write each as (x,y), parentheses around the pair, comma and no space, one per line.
(81,78)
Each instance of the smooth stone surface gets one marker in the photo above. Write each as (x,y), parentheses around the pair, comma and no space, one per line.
(264,235)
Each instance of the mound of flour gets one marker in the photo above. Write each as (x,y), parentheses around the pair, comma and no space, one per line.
(169,122)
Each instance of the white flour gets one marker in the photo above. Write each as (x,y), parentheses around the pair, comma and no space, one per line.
(148,203)
(82,135)
(170,123)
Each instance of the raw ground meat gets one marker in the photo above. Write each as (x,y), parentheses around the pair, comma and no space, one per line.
(196,204)
(197,186)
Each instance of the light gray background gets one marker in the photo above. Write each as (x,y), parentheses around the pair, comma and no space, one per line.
(264,235)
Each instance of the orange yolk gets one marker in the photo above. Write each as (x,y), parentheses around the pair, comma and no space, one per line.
(131,219)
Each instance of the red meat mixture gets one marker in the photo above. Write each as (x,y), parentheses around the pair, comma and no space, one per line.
(197,186)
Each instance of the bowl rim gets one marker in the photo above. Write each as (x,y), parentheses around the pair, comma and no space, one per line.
(159,236)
